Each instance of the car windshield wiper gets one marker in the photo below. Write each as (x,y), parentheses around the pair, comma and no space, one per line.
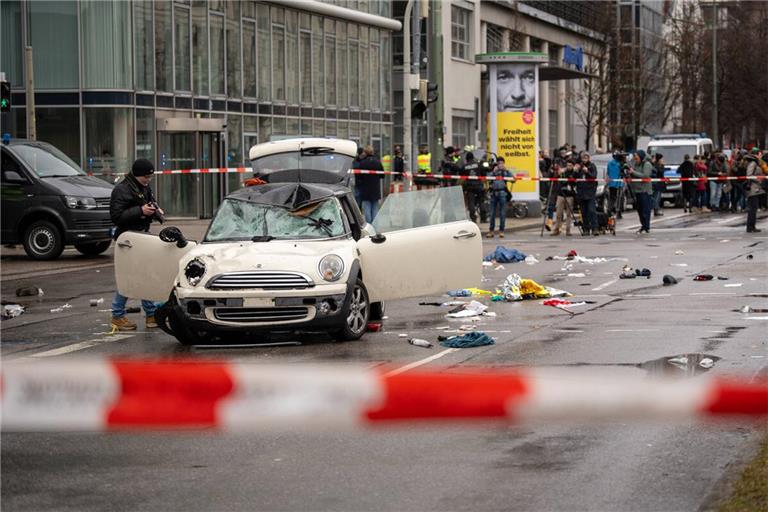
(320,150)
(323,224)
(262,238)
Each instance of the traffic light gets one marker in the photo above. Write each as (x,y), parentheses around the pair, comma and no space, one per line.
(5,97)
(427,95)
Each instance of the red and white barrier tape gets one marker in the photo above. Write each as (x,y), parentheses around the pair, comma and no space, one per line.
(172,394)
(518,177)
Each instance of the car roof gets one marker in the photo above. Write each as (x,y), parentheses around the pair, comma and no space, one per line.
(678,142)
(341,146)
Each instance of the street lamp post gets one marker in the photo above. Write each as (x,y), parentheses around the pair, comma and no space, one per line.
(715,137)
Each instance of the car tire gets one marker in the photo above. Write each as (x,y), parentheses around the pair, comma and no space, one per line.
(356,314)
(93,248)
(43,240)
(377,311)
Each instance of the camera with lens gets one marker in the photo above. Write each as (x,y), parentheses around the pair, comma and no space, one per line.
(157,216)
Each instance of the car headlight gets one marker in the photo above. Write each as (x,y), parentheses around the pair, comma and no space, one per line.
(194,272)
(331,267)
(84,203)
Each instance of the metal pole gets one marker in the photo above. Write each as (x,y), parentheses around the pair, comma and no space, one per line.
(407,134)
(715,137)
(30,83)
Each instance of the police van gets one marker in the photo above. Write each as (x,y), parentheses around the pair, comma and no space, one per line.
(674,147)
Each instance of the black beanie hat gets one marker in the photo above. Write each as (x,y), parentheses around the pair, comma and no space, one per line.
(142,167)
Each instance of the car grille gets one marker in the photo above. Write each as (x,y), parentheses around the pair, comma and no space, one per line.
(93,224)
(102,203)
(263,280)
(257,315)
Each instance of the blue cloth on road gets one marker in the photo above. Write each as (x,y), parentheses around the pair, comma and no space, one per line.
(504,255)
(471,339)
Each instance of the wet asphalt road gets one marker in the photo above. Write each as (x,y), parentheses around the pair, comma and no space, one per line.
(619,466)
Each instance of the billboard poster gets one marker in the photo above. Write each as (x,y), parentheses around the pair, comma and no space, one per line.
(513,82)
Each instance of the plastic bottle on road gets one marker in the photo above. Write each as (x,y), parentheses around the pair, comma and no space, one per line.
(420,343)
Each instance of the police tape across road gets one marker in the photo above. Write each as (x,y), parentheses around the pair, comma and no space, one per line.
(518,177)
(130,394)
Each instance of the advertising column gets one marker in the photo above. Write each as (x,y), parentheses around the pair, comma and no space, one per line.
(513,82)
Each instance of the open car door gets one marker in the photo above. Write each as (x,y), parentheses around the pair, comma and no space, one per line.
(429,247)
(145,266)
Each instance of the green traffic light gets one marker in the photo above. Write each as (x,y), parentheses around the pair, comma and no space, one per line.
(4,103)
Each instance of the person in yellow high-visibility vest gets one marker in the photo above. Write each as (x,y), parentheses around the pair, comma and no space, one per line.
(386,162)
(424,165)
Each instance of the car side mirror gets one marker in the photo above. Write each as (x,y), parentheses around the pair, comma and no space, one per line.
(172,234)
(13,177)
(378,238)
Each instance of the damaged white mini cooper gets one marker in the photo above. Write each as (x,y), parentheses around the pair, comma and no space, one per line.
(295,254)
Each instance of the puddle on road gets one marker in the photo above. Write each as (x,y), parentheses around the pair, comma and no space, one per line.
(681,365)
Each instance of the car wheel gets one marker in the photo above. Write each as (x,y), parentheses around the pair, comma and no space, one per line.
(43,240)
(377,311)
(519,210)
(356,314)
(93,248)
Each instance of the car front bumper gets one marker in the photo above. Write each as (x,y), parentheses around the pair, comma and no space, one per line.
(316,308)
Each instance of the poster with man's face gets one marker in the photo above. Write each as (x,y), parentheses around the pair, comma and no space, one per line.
(515,87)
(513,121)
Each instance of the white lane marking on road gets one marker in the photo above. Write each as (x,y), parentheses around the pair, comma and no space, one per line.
(757,318)
(81,345)
(631,330)
(605,285)
(650,296)
(420,362)
(712,293)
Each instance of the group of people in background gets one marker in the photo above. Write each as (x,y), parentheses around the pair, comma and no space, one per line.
(563,198)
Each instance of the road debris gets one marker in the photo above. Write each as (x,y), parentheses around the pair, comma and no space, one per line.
(96,302)
(516,288)
(505,255)
(471,309)
(12,311)
(500,267)
(577,274)
(469,292)
(373,327)
(29,291)
(417,342)
(678,264)
(750,309)
(469,340)
(679,252)
(531,259)
(703,277)
(61,308)
(668,280)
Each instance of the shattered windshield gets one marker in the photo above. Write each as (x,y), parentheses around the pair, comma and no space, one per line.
(242,220)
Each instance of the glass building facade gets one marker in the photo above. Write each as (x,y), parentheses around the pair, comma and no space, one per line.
(195,83)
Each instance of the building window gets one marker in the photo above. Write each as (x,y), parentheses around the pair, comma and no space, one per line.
(330,62)
(234,47)
(265,54)
(461,29)
(200,49)
(145,134)
(318,97)
(278,61)
(250,85)
(53,32)
(292,57)
(386,71)
(10,41)
(217,53)
(106,44)
(60,127)
(462,129)
(305,40)
(163,46)
(552,129)
(182,48)
(108,139)
(363,68)
(354,68)
(342,95)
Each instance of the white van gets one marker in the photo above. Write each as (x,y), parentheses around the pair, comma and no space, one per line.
(674,147)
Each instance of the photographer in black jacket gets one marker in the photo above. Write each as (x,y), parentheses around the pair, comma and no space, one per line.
(132,207)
